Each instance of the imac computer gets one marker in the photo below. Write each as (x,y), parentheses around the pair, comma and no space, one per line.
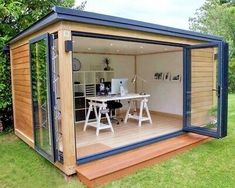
(116,83)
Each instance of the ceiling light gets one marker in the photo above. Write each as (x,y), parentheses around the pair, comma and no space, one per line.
(89,48)
(111,44)
(141,47)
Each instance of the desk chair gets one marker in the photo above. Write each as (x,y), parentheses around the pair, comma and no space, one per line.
(112,106)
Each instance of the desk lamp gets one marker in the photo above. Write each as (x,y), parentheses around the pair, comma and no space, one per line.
(133,80)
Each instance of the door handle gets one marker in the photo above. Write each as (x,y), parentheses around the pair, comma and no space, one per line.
(217,90)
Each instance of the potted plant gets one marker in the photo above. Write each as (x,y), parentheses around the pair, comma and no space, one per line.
(107,62)
(212,112)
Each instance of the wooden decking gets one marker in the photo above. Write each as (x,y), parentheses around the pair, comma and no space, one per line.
(111,168)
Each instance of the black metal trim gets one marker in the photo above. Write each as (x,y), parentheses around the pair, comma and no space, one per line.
(221,102)
(59,14)
(186,86)
(127,39)
(68,44)
(51,95)
(101,19)
(203,45)
(58,155)
(141,143)
(224,89)
(74,113)
(202,131)
(46,37)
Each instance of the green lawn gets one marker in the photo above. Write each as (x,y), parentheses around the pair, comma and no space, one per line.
(21,166)
(209,165)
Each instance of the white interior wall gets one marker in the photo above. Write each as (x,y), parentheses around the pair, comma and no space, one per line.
(166,96)
(123,66)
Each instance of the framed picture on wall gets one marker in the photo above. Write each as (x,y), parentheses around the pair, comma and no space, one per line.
(167,76)
(176,78)
(158,76)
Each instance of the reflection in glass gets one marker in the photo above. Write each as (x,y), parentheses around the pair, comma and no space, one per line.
(204,88)
(39,78)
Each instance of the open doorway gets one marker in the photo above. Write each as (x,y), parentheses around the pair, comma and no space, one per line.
(157,70)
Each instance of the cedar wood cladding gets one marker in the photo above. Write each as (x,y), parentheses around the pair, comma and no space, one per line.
(22,100)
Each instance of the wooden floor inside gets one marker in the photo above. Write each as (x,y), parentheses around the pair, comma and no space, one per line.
(111,168)
(88,143)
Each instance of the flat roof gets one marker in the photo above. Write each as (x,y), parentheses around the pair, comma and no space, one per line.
(67,14)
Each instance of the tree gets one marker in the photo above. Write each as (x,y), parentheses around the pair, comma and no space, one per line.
(16,15)
(217,17)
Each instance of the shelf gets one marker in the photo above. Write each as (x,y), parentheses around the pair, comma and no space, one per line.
(87,83)
(79,97)
(91,119)
(78,84)
(80,109)
(91,71)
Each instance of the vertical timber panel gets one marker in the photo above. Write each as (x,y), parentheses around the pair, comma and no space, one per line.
(21,93)
(66,94)
(214,80)
(203,82)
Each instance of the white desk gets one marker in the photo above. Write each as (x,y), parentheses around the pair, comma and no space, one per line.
(100,102)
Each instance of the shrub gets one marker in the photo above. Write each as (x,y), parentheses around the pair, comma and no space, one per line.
(231,76)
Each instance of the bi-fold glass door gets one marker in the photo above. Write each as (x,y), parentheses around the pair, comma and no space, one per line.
(41,96)
(205,89)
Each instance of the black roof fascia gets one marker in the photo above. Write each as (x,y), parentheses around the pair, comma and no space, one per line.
(100,19)
(60,13)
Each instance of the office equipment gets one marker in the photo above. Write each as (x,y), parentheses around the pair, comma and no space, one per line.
(86,84)
(106,90)
(100,102)
(115,85)
(122,90)
(97,124)
(143,106)
(112,106)
(133,81)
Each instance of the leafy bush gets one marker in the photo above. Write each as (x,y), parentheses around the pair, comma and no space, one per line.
(14,17)
(231,76)
(5,93)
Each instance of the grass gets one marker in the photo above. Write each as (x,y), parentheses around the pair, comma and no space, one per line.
(21,166)
(209,165)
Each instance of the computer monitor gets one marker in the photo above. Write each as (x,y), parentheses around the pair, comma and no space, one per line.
(115,85)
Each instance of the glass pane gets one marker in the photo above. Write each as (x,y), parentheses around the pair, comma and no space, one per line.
(39,76)
(56,99)
(204,99)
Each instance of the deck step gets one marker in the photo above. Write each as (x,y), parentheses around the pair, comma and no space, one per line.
(110,168)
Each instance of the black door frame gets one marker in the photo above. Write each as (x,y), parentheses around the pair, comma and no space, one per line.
(222,90)
(48,38)
(163,137)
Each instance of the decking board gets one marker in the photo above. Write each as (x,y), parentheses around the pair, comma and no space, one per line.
(104,170)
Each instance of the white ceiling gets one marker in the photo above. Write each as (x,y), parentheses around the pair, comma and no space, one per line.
(105,46)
